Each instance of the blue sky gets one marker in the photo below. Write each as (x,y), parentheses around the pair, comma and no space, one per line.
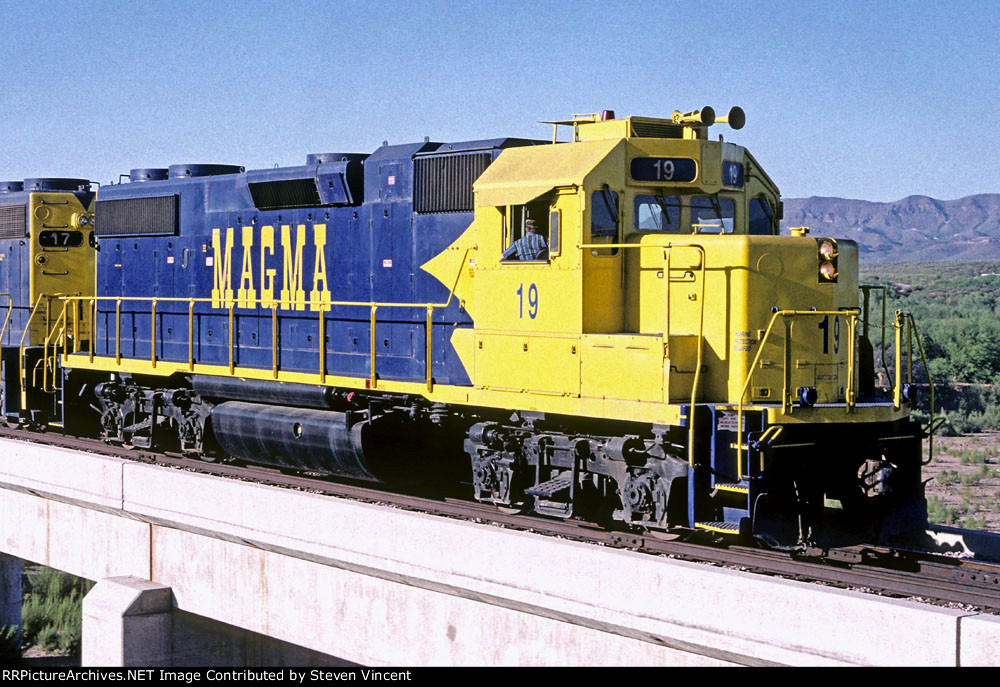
(872,100)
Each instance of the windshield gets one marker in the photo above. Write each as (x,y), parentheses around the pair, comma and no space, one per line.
(657,213)
(708,214)
(712,215)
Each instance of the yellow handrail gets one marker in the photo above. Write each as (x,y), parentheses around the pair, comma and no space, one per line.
(905,319)
(701,334)
(667,253)
(428,340)
(930,383)
(852,315)
(57,332)
(373,380)
(22,367)
(230,304)
(10,311)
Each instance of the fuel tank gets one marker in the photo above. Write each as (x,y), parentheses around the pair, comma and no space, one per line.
(297,438)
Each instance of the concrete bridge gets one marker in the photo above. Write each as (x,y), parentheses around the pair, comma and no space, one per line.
(201,570)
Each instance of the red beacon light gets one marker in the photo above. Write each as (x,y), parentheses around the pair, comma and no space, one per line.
(607,114)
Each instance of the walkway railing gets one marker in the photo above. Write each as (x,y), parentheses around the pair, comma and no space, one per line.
(73,306)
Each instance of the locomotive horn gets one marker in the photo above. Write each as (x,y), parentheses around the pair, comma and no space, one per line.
(704,117)
(736,118)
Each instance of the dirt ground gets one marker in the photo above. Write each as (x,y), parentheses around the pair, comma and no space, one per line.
(964,486)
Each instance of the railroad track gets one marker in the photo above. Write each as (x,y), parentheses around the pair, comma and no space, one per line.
(972,584)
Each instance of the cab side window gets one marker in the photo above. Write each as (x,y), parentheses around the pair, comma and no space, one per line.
(604,214)
(526,232)
(760,217)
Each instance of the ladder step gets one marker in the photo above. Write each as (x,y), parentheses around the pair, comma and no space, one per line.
(723,527)
(550,488)
(737,487)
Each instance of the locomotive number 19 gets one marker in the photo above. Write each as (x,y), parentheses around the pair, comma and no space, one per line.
(825,326)
(664,169)
(532,301)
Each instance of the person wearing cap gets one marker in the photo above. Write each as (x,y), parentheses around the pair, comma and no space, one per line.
(531,246)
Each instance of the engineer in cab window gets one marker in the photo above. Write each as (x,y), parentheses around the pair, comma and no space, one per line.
(531,246)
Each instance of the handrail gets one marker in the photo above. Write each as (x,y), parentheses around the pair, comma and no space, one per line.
(866,291)
(703,266)
(668,254)
(10,311)
(852,315)
(905,319)
(232,304)
(22,368)
(912,323)
(58,331)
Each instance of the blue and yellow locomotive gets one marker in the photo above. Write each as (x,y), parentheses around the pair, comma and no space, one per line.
(609,326)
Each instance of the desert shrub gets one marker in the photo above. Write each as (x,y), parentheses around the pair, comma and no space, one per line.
(974,522)
(52,612)
(940,513)
(947,477)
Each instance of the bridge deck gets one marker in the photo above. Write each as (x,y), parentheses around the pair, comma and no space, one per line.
(380,585)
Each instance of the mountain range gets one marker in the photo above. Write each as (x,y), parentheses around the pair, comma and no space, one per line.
(914,229)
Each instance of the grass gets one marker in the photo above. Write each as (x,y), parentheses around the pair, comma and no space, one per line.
(947,477)
(973,522)
(940,512)
(963,490)
(52,611)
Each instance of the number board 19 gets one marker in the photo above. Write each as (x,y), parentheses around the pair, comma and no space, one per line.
(675,169)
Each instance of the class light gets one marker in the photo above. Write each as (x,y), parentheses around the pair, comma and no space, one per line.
(828,250)
(828,270)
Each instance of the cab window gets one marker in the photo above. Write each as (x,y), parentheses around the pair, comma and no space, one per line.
(712,215)
(604,214)
(657,213)
(520,244)
(760,217)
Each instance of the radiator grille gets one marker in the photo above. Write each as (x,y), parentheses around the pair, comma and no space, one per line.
(444,184)
(136,216)
(656,130)
(12,221)
(289,193)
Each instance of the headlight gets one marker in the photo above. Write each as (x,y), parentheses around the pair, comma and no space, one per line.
(828,250)
(828,270)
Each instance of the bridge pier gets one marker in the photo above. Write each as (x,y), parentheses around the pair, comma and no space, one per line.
(128,621)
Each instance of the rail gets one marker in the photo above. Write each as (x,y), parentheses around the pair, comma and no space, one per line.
(231,304)
(55,333)
(904,320)
(667,254)
(894,379)
(10,311)
(866,290)
(22,366)
(787,317)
